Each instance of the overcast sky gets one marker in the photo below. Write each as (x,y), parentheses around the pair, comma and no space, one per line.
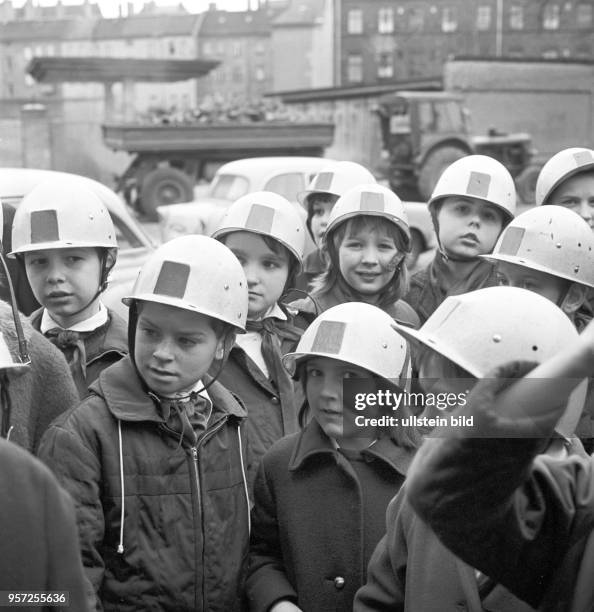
(109,8)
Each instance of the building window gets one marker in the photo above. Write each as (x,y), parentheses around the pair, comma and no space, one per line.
(516,17)
(449,20)
(483,18)
(550,17)
(385,66)
(415,19)
(260,74)
(236,49)
(171,47)
(355,21)
(355,68)
(385,21)
(583,15)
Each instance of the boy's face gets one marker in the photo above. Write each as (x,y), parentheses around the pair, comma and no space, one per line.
(512,275)
(265,270)
(64,281)
(468,227)
(368,259)
(324,392)
(577,194)
(320,205)
(174,347)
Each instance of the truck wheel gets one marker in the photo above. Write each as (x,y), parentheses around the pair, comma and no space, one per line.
(526,184)
(162,187)
(434,165)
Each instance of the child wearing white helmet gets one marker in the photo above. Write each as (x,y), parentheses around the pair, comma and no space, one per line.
(366,242)
(321,494)
(325,188)
(523,518)
(154,457)
(63,235)
(467,338)
(472,202)
(567,179)
(267,235)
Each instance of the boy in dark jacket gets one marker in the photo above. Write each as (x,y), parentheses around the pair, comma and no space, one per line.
(154,456)
(66,241)
(473,200)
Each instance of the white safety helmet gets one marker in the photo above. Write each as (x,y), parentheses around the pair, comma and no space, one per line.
(336,179)
(358,333)
(481,177)
(195,273)
(554,240)
(487,328)
(372,200)
(560,167)
(268,214)
(59,214)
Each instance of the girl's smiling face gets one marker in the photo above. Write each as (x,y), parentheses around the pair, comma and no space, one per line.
(369,257)
(266,270)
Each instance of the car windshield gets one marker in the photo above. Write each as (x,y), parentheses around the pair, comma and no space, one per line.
(229,187)
(441,117)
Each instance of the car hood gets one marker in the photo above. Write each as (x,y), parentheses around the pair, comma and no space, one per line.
(198,217)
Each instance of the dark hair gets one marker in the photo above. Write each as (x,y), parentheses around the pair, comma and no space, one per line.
(278,249)
(397,286)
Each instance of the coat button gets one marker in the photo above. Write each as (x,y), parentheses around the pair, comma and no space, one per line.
(339,582)
(274,400)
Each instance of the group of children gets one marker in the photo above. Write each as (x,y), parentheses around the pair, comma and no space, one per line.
(207,450)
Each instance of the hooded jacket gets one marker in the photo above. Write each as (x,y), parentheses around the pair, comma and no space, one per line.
(163,522)
(39,393)
(311,541)
(103,346)
(38,532)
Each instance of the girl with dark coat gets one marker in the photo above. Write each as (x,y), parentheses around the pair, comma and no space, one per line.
(321,494)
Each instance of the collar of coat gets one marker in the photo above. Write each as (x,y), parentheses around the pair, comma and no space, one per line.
(127,398)
(115,338)
(313,442)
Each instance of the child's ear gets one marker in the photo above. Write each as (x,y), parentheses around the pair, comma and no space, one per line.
(575,297)
(110,258)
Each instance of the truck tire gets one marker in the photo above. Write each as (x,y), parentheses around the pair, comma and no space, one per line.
(526,184)
(435,163)
(164,186)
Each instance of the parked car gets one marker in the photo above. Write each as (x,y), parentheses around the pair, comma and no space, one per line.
(287,176)
(134,244)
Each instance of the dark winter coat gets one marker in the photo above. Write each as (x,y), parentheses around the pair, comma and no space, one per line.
(39,393)
(427,287)
(268,418)
(104,346)
(308,532)
(313,265)
(400,311)
(185,521)
(39,542)
(526,521)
